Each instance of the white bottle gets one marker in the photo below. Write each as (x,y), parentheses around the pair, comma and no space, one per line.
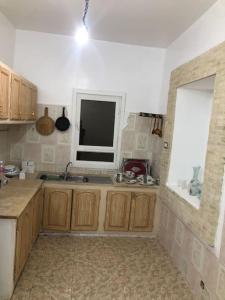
(22,175)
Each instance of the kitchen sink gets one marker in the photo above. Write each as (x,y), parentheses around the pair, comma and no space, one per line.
(77,178)
(90,179)
(46,176)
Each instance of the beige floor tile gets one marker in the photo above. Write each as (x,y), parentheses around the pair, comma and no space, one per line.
(83,268)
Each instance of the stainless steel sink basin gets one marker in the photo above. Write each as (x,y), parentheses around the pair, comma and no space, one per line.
(77,178)
(46,176)
(90,179)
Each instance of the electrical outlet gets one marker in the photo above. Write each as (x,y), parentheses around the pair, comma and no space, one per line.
(166,145)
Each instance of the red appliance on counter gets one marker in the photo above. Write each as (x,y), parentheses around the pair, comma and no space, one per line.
(138,166)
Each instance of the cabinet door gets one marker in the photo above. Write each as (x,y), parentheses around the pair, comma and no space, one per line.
(30,101)
(37,214)
(15,98)
(5,77)
(85,210)
(23,239)
(117,211)
(24,96)
(142,211)
(57,209)
(33,103)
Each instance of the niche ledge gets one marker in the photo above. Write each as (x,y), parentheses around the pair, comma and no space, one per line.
(183,193)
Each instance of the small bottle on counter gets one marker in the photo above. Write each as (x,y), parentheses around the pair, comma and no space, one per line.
(22,175)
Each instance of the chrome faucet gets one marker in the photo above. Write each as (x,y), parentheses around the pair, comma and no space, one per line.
(66,170)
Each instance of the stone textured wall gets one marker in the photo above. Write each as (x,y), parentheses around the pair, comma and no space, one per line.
(202,222)
(51,153)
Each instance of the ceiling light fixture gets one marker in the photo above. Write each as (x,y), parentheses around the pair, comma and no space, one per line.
(82,34)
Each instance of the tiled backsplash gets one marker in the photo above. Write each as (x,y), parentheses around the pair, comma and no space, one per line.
(4,143)
(139,142)
(51,153)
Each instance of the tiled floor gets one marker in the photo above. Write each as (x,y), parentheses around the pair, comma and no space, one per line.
(91,268)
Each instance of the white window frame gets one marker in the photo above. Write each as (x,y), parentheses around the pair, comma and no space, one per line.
(119,99)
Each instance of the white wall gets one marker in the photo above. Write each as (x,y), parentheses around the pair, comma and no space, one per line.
(191,130)
(7,37)
(205,33)
(57,65)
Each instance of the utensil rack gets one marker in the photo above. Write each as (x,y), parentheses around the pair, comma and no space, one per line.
(157,123)
(149,115)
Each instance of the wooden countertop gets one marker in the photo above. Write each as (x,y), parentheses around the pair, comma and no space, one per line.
(15,196)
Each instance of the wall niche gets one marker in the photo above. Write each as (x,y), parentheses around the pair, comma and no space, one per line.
(195,135)
(190,136)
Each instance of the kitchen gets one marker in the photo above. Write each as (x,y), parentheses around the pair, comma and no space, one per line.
(110,239)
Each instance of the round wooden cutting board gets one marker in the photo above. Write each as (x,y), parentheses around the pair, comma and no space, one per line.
(45,125)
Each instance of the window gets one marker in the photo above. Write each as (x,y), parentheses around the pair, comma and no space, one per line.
(96,134)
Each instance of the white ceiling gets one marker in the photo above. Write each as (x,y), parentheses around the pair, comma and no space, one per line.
(153,23)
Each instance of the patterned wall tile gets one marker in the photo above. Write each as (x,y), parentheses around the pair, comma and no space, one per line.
(128,141)
(143,124)
(48,154)
(16,152)
(193,277)
(62,154)
(64,138)
(32,136)
(220,290)
(32,152)
(131,121)
(210,270)
(49,139)
(127,154)
(197,254)
(165,217)
(141,141)
(179,232)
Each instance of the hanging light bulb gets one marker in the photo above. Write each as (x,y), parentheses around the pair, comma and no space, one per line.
(82,35)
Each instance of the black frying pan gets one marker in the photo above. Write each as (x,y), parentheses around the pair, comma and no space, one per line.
(62,123)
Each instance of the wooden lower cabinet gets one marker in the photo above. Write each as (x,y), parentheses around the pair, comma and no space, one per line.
(85,210)
(142,211)
(28,228)
(23,239)
(37,214)
(127,211)
(117,211)
(57,209)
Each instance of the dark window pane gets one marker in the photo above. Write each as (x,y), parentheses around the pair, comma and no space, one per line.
(95,156)
(97,120)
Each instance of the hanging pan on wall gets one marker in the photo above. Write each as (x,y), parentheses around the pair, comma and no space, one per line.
(62,123)
(45,124)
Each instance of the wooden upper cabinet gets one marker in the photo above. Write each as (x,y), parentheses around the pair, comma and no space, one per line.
(142,211)
(23,239)
(118,211)
(25,100)
(57,209)
(85,210)
(28,100)
(18,96)
(5,77)
(33,103)
(15,98)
